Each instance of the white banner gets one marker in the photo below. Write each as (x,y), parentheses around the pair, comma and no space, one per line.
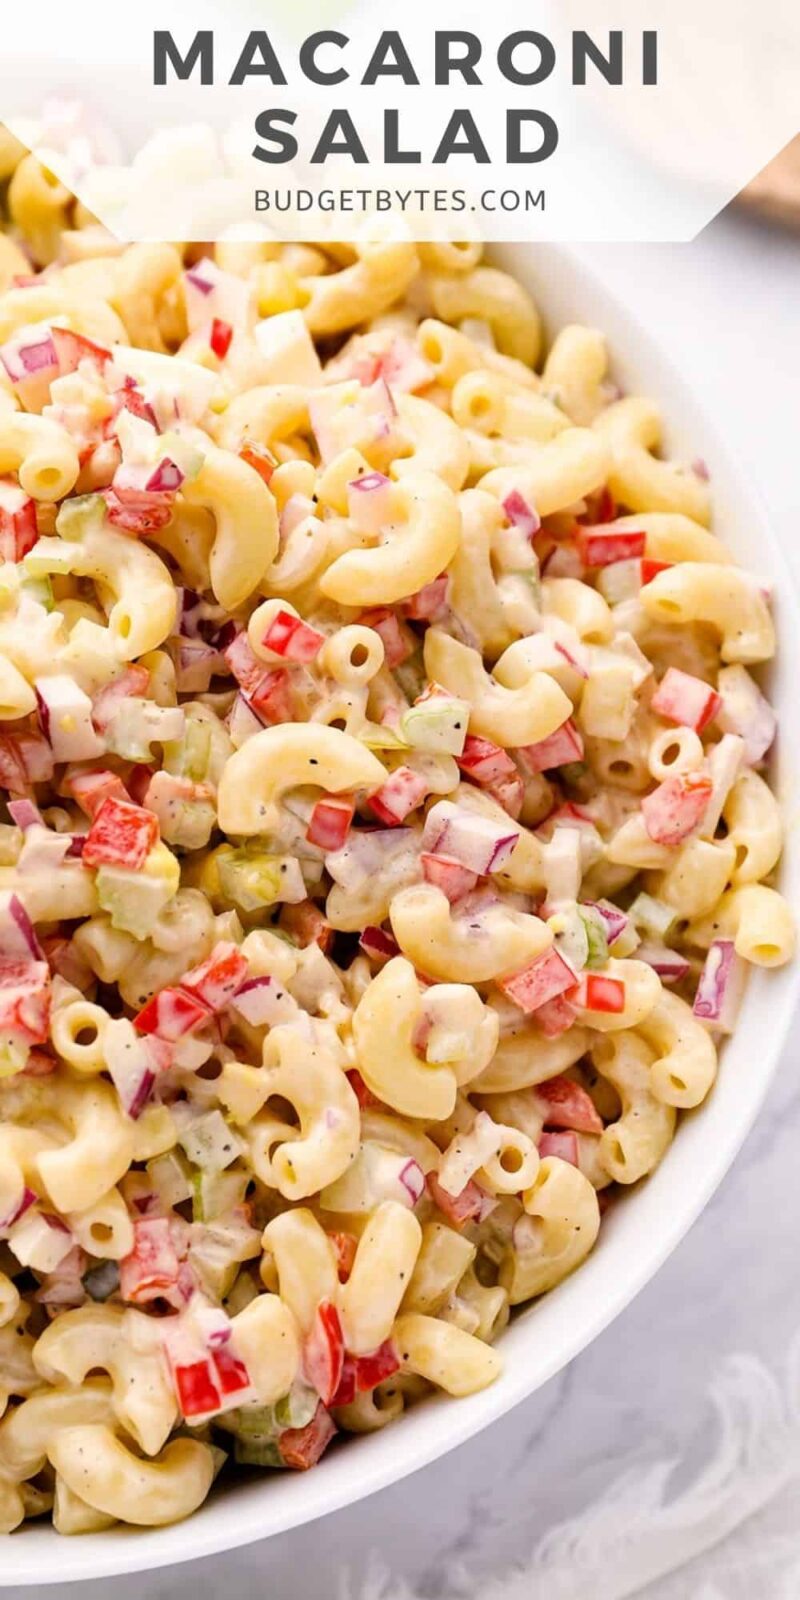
(561,119)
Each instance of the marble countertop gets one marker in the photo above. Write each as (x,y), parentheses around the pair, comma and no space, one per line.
(664,1462)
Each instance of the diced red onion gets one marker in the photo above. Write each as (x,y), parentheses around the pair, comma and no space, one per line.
(22,359)
(412,1177)
(721,986)
(258,1000)
(27,1199)
(165,479)
(43,850)
(669,964)
(25,814)
(374,942)
(368,502)
(476,841)
(615,921)
(201,276)
(521,514)
(365,852)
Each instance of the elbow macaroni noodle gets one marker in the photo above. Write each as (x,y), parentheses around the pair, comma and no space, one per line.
(386,837)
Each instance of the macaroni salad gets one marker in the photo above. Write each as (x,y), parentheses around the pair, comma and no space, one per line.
(385,839)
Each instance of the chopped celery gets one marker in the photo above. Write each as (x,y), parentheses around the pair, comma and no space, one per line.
(49,555)
(438,725)
(200,755)
(377,737)
(214,1193)
(184,452)
(571,936)
(13,1055)
(85,513)
(297,1408)
(257,1453)
(254,1422)
(596,937)
(210,1143)
(41,590)
(135,900)
(655,916)
(171,1178)
(196,750)
(252,878)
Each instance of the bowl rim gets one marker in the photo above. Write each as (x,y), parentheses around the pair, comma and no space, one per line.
(260,1509)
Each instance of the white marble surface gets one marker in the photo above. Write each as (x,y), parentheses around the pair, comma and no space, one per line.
(696,1374)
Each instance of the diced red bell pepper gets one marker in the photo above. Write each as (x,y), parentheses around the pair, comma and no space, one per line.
(271,699)
(25,1000)
(18,529)
(594,992)
(557,750)
(555,1017)
(429,602)
(73,348)
(306,923)
(90,789)
(348,1386)
(171,1014)
(259,458)
(458,1208)
(398,641)
(362,1092)
(448,875)
(138,782)
(292,638)
(361,1374)
(220,338)
(198,1395)
(216,980)
(485,762)
(509,793)
(375,1368)
(686,700)
(301,1448)
(599,545)
(650,569)
(605,507)
(344,1248)
(150,1271)
(121,835)
(330,823)
(543,979)
(562,1145)
(232,1374)
(675,808)
(138,512)
(323,1352)
(398,796)
(266,689)
(567,1105)
(245,666)
(134,680)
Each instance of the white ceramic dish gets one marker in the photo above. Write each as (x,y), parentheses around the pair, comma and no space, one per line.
(642,1231)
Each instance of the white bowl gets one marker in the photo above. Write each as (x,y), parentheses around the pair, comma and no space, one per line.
(640,1233)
